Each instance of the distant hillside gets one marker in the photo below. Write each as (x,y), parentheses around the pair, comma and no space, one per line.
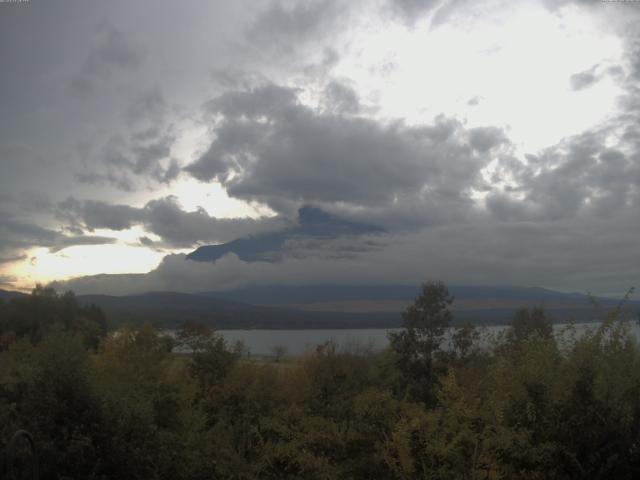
(335,306)
(485,304)
(7,295)
(278,295)
(169,309)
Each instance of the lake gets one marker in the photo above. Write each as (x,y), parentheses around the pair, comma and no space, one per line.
(298,342)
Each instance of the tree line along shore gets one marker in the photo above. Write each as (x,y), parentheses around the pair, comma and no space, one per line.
(103,404)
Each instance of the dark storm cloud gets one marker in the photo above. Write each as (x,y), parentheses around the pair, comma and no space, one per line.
(270,148)
(165,218)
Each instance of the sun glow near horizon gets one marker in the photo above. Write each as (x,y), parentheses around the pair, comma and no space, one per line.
(42,266)
(127,254)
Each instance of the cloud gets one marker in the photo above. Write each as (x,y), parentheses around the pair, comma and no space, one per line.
(341,98)
(13,259)
(310,137)
(17,235)
(150,106)
(270,148)
(113,53)
(94,215)
(7,280)
(285,28)
(586,255)
(165,218)
(589,176)
(314,231)
(444,12)
(584,79)
(411,10)
(483,139)
(582,176)
(142,154)
(251,239)
(65,241)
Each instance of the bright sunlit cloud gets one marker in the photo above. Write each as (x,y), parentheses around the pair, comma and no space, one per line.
(514,69)
(213,198)
(43,266)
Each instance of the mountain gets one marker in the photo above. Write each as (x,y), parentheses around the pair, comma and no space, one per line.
(169,309)
(275,295)
(480,304)
(336,306)
(312,223)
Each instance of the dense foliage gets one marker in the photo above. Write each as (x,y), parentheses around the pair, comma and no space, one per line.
(527,404)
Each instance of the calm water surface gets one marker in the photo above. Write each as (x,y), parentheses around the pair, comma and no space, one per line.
(298,342)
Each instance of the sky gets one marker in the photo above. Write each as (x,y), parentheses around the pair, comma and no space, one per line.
(478,143)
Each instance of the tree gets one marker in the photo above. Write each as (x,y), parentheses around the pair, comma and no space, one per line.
(211,363)
(240,348)
(463,340)
(425,323)
(530,321)
(34,315)
(194,336)
(278,352)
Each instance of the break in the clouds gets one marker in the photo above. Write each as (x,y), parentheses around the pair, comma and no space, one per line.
(17,234)
(319,141)
(163,218)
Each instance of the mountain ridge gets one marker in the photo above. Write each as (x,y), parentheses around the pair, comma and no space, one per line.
(335,306)
(312,223)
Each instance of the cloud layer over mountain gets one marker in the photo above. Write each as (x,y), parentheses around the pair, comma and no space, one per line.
(174,128)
